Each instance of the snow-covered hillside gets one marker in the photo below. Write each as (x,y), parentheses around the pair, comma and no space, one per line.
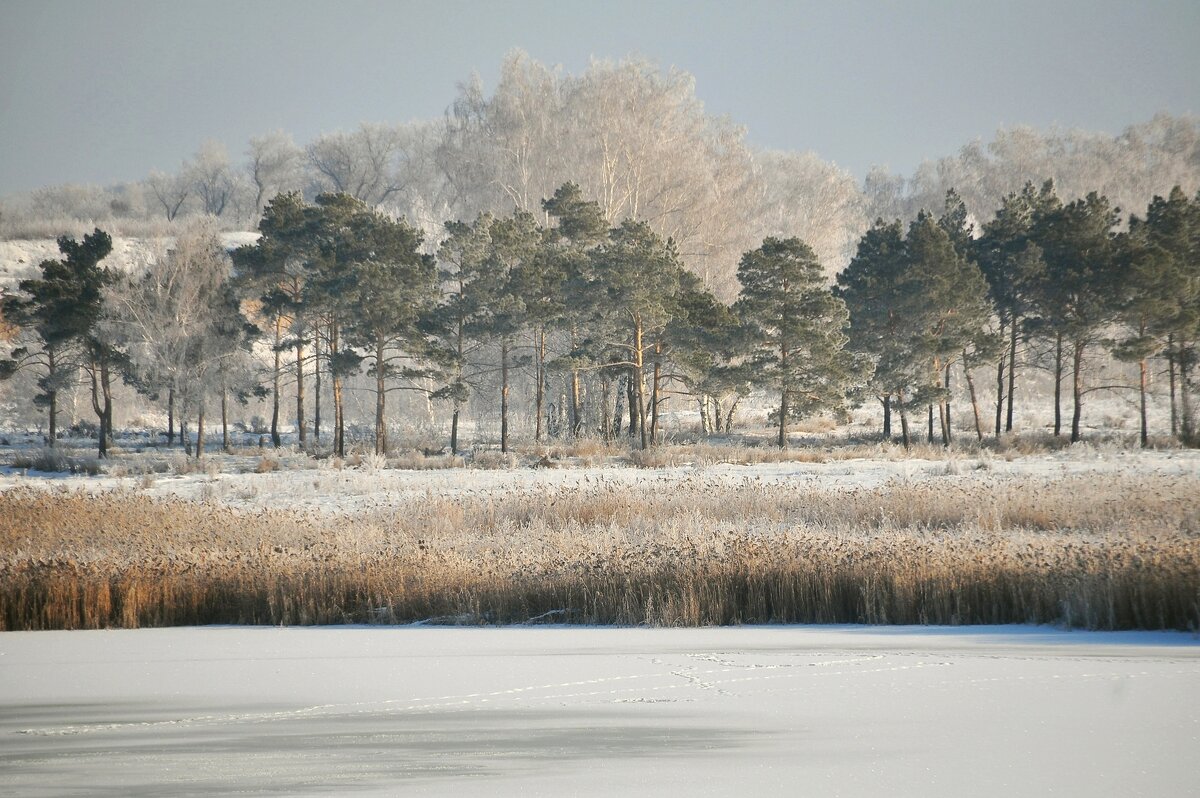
(19,259)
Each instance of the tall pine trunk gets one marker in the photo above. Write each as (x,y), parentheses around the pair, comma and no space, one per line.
(458,366)
(225,418)
(339,399)
(1171,378)
(1144,431)
(1058,370)
(504,388)
(640,381)
(656,393)
(605,398)
(783,398)
(887,416)
(276,439)
(1186,420)
(1012,374)
(1076,388)
(631,395)
(101,438)
(974,397)
(200,430)
(317,388)
(171,417)
(539,401)
(944,410)
(903,419)
(52,394)
(106,390)
(999,384)
(300,431)
(380,401)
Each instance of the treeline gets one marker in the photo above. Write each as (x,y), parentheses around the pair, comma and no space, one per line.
(638,141)
(335,289)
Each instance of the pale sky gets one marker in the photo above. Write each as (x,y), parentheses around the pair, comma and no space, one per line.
(100,91)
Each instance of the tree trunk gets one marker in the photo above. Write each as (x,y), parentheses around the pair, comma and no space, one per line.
(504,396)
(200,430)
(1144,435)
(631,395)
(276,439)
(903,419)
(380,401)
(171,417)
(225,419)
(1076,388)
(106,391)
(999,386)
(702,406)
(975,399)
(781,439)
(640,381)
(929,434)
(317,389)
(1058,370)
(619,409)
(656,393)
(458,372)
(539,348)
(101,438)
(1187,428)
(1171,378)
(887,416)
(300,431)
(605,397)
(729,416)
(183,436)
(944,410)
(1012,374)
(573,417)
(339,398)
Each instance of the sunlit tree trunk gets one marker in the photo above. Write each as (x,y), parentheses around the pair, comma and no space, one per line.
(276,439)
(1058,371)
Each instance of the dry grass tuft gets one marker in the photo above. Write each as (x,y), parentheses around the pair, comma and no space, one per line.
(1101,552)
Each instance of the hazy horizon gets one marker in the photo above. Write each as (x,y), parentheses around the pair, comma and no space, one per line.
(105,92)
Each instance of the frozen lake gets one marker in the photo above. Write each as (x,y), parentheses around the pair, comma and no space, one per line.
(599,711)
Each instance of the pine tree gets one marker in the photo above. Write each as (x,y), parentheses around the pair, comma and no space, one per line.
(1011,261)
(1160,304)
(953,312)
(274,272)
(550,287)
(1078,294)
(872,286)
(797,328)
(62,309)
(463,255)
(394,291)
(635,279)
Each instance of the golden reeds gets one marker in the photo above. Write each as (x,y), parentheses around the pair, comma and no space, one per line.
(1102,552)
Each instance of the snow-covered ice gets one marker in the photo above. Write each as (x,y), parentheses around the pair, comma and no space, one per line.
(599,711)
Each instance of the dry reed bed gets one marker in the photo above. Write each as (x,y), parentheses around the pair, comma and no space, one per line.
(1102,552)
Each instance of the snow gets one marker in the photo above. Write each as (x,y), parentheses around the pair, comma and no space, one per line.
(20,258)
(316,486)
(599,711)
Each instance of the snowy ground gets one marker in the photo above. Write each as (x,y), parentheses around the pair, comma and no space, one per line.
(320,487)
(846,711)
